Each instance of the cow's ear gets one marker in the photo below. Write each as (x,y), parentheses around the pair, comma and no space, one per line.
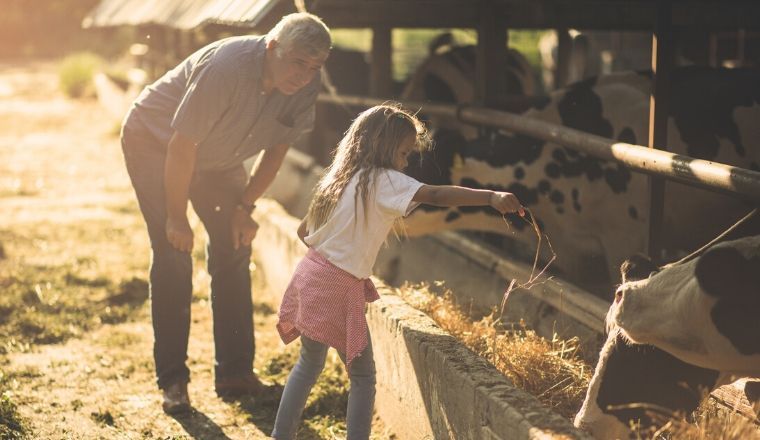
(637,267)
(725,273)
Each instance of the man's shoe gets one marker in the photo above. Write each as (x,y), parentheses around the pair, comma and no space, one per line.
(249,385)
(176,399)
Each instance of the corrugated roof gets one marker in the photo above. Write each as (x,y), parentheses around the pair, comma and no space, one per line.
(180,14)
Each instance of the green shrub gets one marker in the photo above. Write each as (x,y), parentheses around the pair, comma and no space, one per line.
(76,74)
(12,426)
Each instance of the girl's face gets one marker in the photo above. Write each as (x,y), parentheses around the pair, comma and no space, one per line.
(407,145)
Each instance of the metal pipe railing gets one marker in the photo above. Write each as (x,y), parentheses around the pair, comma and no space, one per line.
(701,173)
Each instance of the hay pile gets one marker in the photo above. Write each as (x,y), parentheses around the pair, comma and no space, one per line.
(550,370)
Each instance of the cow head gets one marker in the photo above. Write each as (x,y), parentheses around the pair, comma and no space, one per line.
(639,386)
(704,311)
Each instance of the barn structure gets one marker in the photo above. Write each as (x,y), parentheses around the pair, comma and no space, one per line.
(728,32)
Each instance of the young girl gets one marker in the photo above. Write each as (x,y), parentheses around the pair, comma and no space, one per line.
(362,194)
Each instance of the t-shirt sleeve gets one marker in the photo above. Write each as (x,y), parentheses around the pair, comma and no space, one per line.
(395,191)
(209,91)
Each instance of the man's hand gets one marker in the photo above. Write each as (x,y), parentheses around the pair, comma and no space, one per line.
(243,229)
(179,234)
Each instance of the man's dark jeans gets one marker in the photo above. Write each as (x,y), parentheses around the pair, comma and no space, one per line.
(214,196)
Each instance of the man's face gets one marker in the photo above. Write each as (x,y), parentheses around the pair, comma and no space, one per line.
(293,69)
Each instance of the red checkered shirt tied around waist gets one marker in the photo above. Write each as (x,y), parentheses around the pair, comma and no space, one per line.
(326,304)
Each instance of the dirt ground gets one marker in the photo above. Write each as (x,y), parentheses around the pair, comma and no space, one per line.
(70,222)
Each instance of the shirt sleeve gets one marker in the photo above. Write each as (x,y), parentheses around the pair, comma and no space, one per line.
(210,87)
(394,191)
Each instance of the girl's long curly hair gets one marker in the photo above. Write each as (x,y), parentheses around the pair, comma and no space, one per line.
(370,143)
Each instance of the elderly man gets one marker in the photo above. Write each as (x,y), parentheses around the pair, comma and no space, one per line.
(185,138)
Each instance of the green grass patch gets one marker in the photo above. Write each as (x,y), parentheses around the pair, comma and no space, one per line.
(12,425)
(49,304)
(76,74)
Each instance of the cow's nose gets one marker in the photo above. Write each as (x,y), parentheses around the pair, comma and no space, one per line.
(618,295)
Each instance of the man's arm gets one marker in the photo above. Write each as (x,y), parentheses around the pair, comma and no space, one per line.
(263,173)
(178,171)
(243,228)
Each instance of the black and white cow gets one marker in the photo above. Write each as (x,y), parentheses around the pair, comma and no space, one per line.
(698,321)
(595,212)
(704,311)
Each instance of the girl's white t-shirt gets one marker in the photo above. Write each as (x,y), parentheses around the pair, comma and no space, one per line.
(352,241)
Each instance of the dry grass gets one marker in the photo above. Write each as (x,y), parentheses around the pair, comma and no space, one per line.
(550,370)
(554,373)
(708,422)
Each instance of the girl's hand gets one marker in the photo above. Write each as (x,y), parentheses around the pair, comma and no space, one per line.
(243,229)
(505,202)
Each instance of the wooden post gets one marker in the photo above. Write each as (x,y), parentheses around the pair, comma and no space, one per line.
(381,80)
(490,59)
(562,69)
(662,65)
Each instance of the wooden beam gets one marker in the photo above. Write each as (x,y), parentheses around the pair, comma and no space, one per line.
(381,80)
(659,111)
(539,14)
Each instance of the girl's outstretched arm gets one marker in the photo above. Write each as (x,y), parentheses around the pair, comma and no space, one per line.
(448,195)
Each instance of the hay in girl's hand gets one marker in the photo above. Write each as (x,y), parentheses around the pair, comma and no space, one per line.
(533,278)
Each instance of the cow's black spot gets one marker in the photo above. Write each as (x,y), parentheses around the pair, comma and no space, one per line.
(519,173)
(627,135)
(569,163)
(557,197)
(559,156)
(436,87)
(703,101)
(560,209)
(544,186)
(576,195)
(451,216)
(581,108)
(723,272)
(552,170)
(499,149)
(632,212)
(638,377)
(617,178)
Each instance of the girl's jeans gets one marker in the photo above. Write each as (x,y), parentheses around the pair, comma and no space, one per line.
(361,396)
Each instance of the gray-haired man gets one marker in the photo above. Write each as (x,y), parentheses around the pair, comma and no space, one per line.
(185,138)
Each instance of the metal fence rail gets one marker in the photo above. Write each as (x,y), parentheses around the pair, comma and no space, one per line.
(701,173)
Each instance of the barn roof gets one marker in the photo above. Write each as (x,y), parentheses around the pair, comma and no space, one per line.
(180,14)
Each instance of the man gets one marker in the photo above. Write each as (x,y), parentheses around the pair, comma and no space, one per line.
(185,138)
